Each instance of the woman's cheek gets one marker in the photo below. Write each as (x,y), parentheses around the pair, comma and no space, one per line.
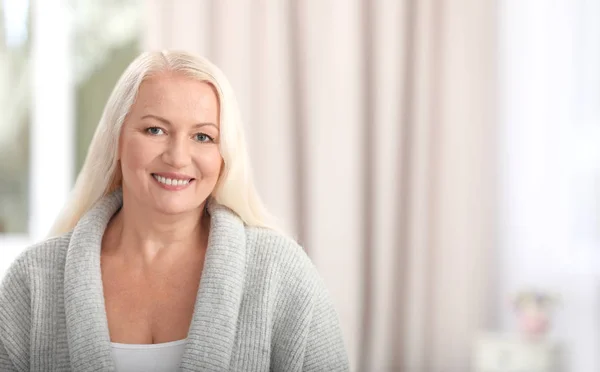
(210,162)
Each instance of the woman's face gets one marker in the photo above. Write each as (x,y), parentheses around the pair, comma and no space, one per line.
(168,147)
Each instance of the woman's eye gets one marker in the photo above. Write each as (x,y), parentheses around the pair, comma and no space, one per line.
(155,131)
(201,137)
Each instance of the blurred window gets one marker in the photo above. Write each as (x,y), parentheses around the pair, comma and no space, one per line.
(15,89)
(107,38)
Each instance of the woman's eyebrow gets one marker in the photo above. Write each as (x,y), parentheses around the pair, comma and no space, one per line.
(167,122)
(199,125)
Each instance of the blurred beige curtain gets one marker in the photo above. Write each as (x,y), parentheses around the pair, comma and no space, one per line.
(371,129)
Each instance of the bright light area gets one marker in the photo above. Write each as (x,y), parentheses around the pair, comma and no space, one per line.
(550,95)
(10,248)
(15,25)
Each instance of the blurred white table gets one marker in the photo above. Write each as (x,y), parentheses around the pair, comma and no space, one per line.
(511,353)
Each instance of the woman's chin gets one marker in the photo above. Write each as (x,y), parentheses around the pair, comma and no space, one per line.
(172,205)
(174,209)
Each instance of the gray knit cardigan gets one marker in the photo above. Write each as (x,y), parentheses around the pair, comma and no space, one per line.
(260,306)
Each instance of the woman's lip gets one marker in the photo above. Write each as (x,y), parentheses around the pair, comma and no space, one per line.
(174,176)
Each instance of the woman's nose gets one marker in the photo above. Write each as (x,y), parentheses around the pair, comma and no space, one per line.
(177,154)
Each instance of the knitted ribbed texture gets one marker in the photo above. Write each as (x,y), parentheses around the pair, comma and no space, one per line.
(261,305)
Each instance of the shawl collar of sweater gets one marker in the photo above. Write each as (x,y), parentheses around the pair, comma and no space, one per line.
(217,303)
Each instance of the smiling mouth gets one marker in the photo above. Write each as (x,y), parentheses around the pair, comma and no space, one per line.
(172,181)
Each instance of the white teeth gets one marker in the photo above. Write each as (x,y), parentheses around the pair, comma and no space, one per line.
(169,181)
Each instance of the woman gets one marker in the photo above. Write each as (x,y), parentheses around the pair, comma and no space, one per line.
(164,258)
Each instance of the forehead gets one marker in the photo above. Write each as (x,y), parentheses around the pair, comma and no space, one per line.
(174,93)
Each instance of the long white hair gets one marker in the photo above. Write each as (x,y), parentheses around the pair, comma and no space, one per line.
(101,173)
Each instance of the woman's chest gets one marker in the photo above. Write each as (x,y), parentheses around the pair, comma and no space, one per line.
(152,308)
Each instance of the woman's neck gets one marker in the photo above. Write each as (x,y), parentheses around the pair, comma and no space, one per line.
(144,235)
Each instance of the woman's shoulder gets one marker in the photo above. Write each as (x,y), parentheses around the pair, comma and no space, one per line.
(280,256)
(262,240)
(37,259)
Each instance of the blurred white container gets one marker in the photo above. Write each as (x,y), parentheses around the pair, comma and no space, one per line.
(512,353)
